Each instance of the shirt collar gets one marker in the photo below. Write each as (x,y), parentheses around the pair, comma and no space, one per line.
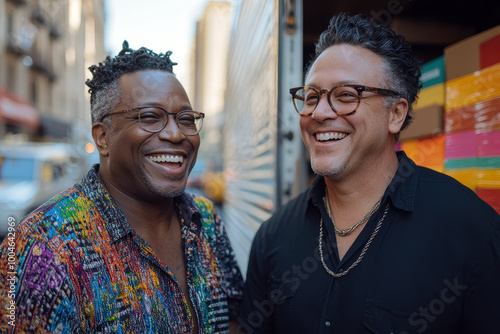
(317,191)
(187,210)
(403,186)
(114,220)
(401,190)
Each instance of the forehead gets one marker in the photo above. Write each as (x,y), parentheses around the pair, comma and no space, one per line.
(343,63)
(154,86)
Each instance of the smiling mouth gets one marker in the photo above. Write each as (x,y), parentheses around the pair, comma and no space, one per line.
(167,158)
(328,136)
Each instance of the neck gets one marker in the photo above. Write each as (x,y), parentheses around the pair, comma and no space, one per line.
(364,188)
(146,218)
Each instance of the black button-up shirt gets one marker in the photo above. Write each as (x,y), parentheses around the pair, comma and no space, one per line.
(433,266)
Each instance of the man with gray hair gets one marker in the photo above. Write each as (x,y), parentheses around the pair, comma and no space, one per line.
(377,244)
(127,250)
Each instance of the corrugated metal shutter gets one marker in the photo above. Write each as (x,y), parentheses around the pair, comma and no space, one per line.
(250,127)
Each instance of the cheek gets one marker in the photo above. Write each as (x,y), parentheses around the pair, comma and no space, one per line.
(304,122)
(127,146)
(195,142)
(305,139)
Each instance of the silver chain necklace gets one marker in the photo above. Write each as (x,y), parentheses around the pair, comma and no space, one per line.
(347,231)
(360,257)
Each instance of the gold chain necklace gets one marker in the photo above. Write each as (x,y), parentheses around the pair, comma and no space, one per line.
(347,231)
(360,257)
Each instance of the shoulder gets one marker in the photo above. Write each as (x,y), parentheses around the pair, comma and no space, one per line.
(40,239)
(51,226)
(286,217)
(44,286)
(52,216)
(451,195)
(448,208)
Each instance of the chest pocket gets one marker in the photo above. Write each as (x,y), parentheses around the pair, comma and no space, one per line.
(281,294)
(380,319)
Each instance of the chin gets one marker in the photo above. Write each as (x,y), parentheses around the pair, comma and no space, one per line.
(168,192)
(173,189)
(327,170)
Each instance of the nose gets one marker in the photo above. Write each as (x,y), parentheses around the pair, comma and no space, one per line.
(171,131)
(323,110)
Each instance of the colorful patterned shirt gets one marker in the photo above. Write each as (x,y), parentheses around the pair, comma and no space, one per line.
(76,266)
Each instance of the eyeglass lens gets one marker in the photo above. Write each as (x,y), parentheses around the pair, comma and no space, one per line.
(154,119)
(344,100)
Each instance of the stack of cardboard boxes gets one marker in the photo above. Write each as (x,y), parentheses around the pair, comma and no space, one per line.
(472,116)
(469,143)
(423,140)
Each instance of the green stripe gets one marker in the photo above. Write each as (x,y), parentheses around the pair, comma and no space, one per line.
(432,72)
(461,163)
(488,163)
(481,163)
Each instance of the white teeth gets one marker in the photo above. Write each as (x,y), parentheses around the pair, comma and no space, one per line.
(322,136)
(330,135)
(167,158)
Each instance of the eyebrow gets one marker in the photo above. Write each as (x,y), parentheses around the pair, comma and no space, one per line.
(343,82)
(159,105)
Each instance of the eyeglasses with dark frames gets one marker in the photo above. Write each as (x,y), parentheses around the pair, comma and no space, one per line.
(154,119)
(343,99)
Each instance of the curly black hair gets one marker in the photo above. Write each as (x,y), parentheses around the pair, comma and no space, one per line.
(403,68)
(104,90)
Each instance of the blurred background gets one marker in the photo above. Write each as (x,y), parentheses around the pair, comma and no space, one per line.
(237,60)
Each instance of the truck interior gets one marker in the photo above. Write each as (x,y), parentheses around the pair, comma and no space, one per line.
(429,25)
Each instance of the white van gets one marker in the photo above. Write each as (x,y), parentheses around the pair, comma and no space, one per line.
(31,173)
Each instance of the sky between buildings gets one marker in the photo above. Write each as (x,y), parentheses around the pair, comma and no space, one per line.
(160,25)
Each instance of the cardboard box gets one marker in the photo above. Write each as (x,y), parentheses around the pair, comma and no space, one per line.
(488,115)
(432,72)
(488,162)
(468,177)
(489,52)
(472,88)
(431,95)
(488,178)
(427,122)
(490,196)
(488,144)
(464,57)
(431,151)
(482,116)
(455,164)
(460,119)
(460,145)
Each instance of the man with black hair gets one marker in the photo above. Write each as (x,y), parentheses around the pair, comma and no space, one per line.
(126,250)
(377,244)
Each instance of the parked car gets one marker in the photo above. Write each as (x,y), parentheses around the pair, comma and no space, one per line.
(31,173)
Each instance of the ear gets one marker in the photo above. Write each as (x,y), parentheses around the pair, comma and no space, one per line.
(101,134)
(397,116)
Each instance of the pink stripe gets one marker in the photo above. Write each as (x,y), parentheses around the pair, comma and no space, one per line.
(460,144)
(488,144)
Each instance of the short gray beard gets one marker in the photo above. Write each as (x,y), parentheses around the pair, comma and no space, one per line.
(328,173)
(166,193)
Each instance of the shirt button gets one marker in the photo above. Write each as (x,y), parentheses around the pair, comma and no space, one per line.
(341,270)
(327,323)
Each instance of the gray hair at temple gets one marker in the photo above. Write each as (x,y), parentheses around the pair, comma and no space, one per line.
(403,68)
